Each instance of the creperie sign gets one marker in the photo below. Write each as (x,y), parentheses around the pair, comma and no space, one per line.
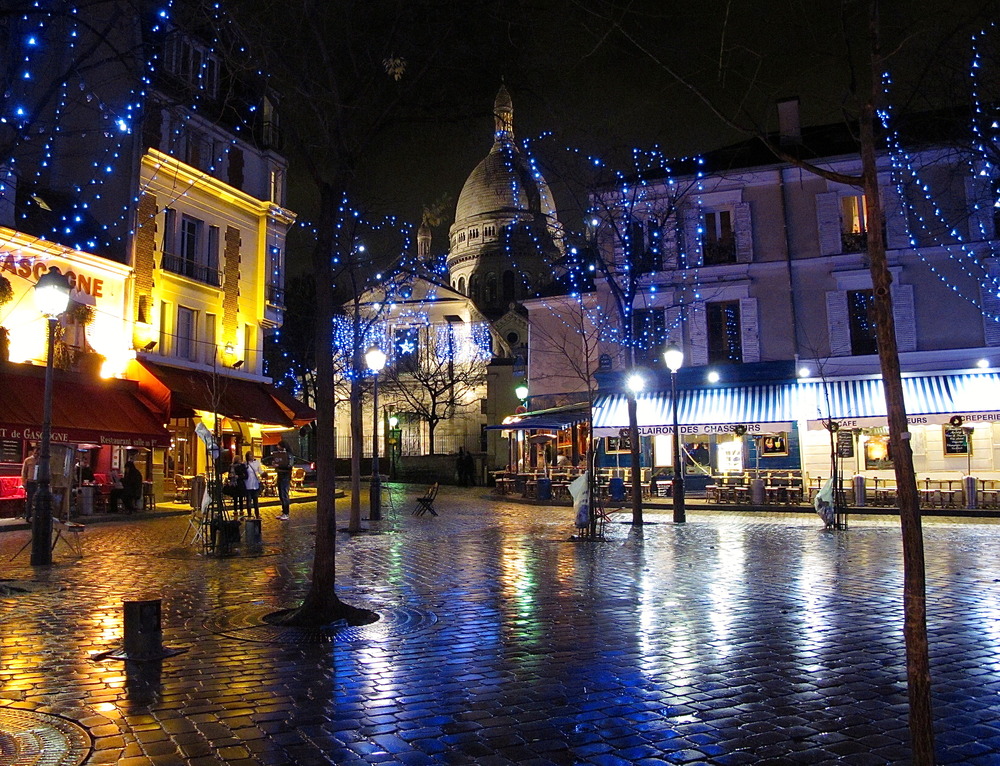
(33,268)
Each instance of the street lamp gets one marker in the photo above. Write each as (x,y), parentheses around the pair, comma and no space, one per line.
(674,358)
(51,297)
(521,392)
(375,359)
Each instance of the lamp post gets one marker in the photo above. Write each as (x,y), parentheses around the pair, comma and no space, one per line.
(375,359)
(517,445)
(674,358)
(51,297)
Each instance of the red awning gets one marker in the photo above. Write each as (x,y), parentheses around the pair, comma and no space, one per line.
(234,398)
(300,413)
(84,410)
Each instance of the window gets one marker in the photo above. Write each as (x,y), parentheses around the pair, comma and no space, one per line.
(491,288)
(474,287)
(461,285)
(489,231)
(461,237)
(649,335)
(473,233)
(718,241)
(507,286)
(277,186)
(192,63)
(725,343)
(249,345)
(196,253)
(186,334)
(861,312)
(854,224)
(169,231)
(191,233)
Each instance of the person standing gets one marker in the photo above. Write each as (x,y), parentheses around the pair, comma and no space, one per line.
(281,461)
(131,488)
(460,468)
(469,469)
(29,480)
(253,485)
(239,473)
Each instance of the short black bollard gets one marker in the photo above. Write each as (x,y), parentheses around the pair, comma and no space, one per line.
(143,633)
(251,533)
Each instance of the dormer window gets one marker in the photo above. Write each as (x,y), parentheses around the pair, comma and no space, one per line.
(193,63)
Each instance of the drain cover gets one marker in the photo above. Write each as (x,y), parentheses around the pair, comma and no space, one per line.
(246,622)
(28,738)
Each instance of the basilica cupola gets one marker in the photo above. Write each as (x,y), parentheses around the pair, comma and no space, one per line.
(506,233)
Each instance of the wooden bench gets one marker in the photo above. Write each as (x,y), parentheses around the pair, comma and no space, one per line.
(425,503)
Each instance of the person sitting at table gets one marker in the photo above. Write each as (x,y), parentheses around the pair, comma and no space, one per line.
(132,488)
(117,491)
(562,460)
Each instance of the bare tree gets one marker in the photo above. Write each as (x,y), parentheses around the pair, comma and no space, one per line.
(446,379)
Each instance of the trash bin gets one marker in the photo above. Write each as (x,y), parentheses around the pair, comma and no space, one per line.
(85,501)
(616,488)
(545,489)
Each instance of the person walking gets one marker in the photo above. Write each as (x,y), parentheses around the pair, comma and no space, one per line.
(29,480)
(240,475)
(253,485)
(281,462)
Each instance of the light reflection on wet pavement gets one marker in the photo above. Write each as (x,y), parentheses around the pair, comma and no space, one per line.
(734,639)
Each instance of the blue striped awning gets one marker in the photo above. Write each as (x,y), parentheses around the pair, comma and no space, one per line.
(853,403)
(929,399)
(762,409)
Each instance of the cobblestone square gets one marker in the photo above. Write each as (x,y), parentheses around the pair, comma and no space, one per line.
(734,639)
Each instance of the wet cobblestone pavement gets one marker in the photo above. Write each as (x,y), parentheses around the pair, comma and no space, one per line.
(731,640)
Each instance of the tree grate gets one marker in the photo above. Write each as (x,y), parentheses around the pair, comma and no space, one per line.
(28,738)
(247,622)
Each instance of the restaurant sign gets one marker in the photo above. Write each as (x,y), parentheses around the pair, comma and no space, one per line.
(936,419)
(83,436)
(701,429)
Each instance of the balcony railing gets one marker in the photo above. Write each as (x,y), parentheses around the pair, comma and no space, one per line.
(720,251)
(175,264)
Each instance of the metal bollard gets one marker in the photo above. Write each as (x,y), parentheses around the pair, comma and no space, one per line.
(143,633)
(251,533)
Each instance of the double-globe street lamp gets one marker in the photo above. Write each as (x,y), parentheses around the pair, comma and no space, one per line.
(51,297)
(375,359)
(674,358)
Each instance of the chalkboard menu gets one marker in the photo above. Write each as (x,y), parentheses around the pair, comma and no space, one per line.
(10,451)
(845,443)
(956,441)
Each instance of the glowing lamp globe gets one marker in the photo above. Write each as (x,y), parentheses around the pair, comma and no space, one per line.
(375,359)
(52,293)
(673,357)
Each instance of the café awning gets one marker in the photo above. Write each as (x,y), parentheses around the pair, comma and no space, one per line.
(709,410)
(232,397)
(300,413)
(554,419)
(84,410)
(929,400)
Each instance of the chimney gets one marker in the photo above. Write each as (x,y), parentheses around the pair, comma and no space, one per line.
(789,127)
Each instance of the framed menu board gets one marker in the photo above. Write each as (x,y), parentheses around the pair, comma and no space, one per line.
(10,451)
(956,441)
(845,443)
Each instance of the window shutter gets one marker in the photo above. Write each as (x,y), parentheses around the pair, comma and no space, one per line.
(897,234)
(749,330)
(828,223)
(698,332)
(693,221)
(669,241)
(744,232)
(675,329)
(979,201)
(838,323)
(990,303)
(903,318)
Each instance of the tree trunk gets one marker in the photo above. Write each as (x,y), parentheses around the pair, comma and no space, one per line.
(321,605)
(633,436)
(914,595)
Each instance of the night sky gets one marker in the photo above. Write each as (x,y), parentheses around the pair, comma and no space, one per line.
(597,75)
